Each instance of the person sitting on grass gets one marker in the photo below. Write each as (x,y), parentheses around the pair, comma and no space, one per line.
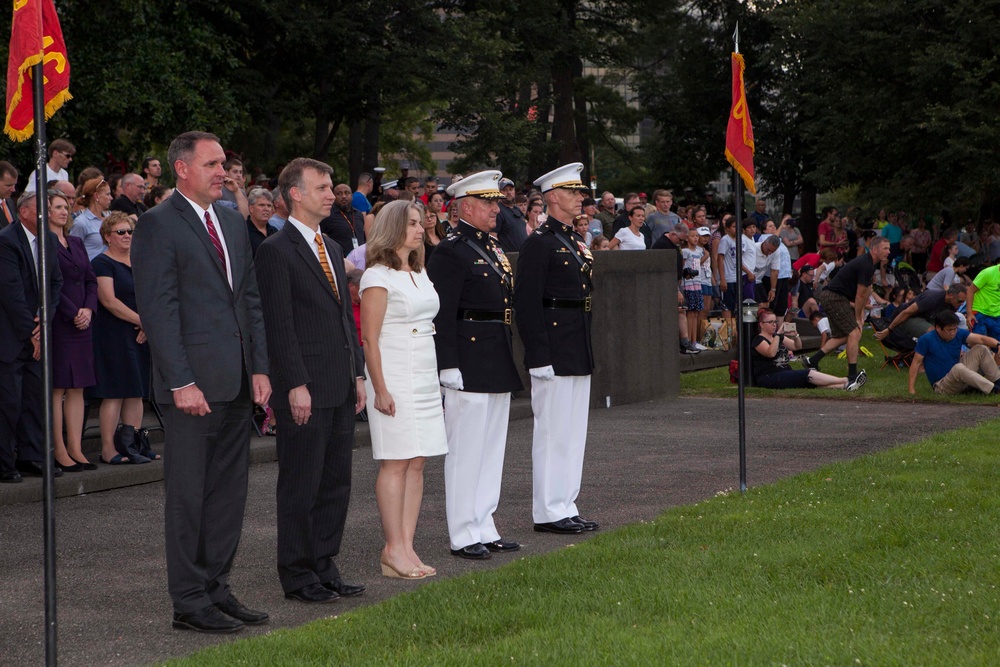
(770,356)
(939,353)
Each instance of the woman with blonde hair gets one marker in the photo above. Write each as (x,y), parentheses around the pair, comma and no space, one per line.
(121,354)
(72,342)
(398,305)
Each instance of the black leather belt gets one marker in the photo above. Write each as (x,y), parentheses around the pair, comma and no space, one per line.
(583,304)
(494,316)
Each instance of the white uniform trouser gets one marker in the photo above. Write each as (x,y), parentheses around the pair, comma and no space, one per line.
(476,425)
(561,408)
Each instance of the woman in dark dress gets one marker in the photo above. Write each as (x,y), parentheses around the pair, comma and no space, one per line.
(121,354)
(72,345)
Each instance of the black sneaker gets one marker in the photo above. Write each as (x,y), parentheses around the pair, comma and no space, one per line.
(809,363)
(859,380)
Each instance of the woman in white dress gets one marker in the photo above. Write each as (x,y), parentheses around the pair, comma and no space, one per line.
(398,305)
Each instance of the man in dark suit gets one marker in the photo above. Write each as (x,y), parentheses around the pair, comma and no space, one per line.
(473,279)
(8,183)
(20,368)
(344,224)
(319,386)
(552,302)
(200,308)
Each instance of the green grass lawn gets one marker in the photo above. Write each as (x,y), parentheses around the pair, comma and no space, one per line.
(893,559)
(886,384)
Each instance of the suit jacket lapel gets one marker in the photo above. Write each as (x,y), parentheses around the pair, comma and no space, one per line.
(310,259)
(198,226)
(28,257)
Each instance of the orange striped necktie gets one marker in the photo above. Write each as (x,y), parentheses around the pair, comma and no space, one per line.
(6,211)
(326,265)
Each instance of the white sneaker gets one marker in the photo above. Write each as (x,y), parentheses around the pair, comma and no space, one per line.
(699,346)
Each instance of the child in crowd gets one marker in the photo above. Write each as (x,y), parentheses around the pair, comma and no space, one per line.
(692,255)
(600,243)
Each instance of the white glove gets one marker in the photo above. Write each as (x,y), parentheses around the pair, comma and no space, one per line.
(451,378)
(546,373)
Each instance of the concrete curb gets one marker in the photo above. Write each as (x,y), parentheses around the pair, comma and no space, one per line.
(107,477)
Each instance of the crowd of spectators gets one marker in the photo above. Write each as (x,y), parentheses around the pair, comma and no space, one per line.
(99,346)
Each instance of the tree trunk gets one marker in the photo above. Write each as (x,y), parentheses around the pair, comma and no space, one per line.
(563,129)
(355,152)
(580,122)
(371,135)
(808,222)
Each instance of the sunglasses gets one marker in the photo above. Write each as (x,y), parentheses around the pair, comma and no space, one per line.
(123,232)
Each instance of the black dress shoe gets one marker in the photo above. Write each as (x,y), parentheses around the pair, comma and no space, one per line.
(35,469)
(500,546)
(586,523)
(562,526)
(473,552)
(344,590)
(313,594)
(233,607)
(10,477)
(207,619)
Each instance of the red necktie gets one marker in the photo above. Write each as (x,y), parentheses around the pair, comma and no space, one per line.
(217,242)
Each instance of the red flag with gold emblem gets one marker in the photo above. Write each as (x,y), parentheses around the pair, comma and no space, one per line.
(739,133)
(35,37)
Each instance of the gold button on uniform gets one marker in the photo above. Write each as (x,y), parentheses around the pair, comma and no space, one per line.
(473,339)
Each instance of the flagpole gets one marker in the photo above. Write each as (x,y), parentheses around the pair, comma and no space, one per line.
(741,353)
(48,483)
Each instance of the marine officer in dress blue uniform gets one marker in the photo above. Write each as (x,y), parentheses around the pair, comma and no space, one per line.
(475,359)
(552,299)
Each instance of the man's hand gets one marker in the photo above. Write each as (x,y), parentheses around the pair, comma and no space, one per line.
(261,388)
(882,335)
(231,184)
(969,318)
(722,285)
(362,397)
(141,336)
(451,378)
(546,373)
(36,341)
(191,401)
(300,401)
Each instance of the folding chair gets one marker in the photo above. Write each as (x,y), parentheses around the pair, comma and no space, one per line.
(898,358)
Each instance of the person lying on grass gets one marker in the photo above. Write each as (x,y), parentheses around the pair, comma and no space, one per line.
(939,352)
(769,355)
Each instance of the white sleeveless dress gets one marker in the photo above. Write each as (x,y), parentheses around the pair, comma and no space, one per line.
(409,365)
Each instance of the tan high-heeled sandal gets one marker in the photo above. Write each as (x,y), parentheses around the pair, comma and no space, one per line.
(389,571)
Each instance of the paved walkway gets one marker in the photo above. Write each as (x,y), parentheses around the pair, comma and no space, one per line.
(113,605)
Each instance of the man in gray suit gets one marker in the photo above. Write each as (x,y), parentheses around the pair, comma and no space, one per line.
(200,308)
(319,386)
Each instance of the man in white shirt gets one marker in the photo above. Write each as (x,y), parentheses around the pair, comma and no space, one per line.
(61,153)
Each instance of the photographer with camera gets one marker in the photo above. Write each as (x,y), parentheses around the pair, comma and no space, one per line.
(769,355)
